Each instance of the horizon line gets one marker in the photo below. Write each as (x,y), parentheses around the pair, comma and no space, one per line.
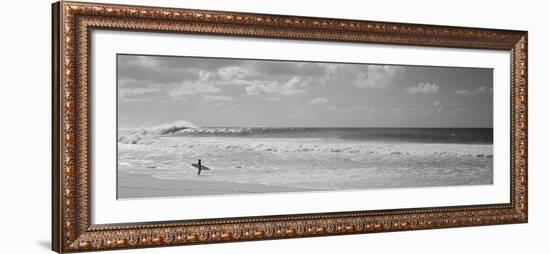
(331,127)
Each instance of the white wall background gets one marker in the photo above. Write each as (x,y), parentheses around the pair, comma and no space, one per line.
(25,125)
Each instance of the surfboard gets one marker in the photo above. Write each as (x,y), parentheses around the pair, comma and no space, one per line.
(196,165)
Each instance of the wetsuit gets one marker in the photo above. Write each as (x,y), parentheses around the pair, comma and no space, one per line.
(200,168)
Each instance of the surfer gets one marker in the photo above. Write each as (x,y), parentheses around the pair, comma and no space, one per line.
(200,167)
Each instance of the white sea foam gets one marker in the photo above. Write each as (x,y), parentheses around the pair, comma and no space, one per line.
(310,162)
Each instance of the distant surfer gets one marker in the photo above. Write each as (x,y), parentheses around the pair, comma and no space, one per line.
(200,167)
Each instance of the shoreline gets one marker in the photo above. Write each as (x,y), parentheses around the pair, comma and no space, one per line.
(147,186)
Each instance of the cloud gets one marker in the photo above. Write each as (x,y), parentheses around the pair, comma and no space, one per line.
(377,76)
(332,108)
(473,92)
(206,84)
(132,83)
(132,90)
(425,88)
(360,75)
(156,69)
(275,99)
(234,72)
(352,109)
(146,61)
(437,105)
(295,85)
(188,88)
(217,99)
(296,113)
(177,78)
(138,94)
(297,82)
(318,101)
(275,69)
(262,87)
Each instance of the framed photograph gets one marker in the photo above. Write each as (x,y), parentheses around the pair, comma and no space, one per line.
(178,126)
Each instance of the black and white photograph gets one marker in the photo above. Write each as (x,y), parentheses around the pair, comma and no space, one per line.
(192,126)
(207,126)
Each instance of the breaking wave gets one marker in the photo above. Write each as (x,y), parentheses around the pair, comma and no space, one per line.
(238,131)
(386,135)
(173,127)
(150,134)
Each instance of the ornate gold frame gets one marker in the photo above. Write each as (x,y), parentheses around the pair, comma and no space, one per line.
(71,226)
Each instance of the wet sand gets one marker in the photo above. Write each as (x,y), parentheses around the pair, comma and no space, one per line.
(146,186)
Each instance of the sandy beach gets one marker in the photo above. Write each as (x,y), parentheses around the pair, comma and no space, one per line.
(146,186)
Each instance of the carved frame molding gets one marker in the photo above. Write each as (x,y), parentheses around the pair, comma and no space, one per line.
(71,226)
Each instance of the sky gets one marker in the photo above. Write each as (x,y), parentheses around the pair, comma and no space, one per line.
(224,92)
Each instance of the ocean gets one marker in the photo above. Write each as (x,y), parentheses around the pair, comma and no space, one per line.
(312,158)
